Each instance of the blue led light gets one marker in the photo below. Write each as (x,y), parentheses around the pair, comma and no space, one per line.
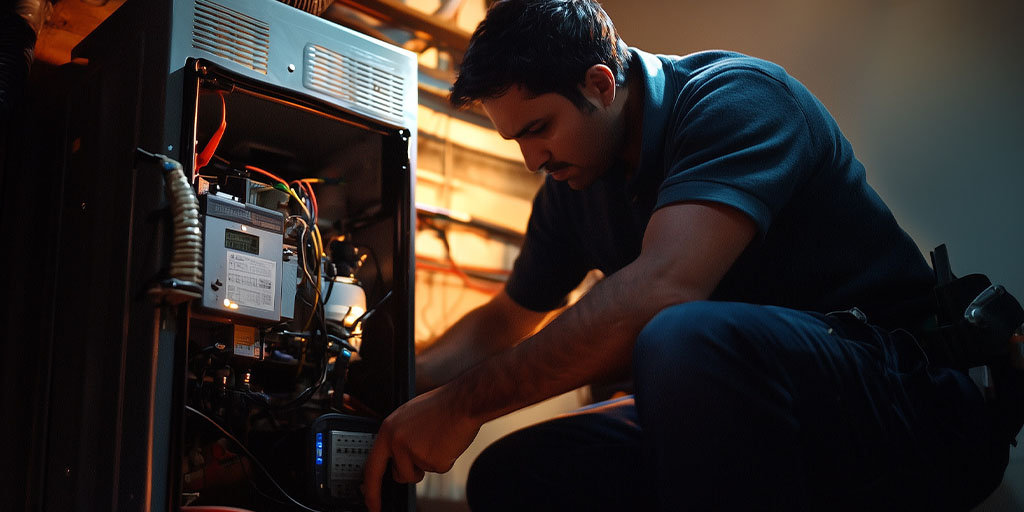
(319,448)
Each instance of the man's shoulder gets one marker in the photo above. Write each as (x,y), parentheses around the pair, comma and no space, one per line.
(704,64)
(676,83)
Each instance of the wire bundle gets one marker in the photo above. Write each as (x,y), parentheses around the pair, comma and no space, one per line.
(187,257)
(312,246)
(186,269)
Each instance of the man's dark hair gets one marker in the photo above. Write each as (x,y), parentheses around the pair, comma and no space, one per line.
(543,45)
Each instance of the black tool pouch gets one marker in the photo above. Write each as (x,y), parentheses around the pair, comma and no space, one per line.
(976,322)
(975,318)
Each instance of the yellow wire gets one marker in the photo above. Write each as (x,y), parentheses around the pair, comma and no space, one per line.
(301,203)
(318,247)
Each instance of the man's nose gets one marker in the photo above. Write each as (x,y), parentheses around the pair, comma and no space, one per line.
(534,155)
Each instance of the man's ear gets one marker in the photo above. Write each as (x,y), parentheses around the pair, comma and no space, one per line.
(599,85)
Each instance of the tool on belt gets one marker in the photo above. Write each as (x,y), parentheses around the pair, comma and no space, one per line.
(976,320)
(979,328)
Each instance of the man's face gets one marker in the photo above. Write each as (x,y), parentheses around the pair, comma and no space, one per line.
(554,135)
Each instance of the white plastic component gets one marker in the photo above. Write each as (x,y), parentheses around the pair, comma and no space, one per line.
(346,303)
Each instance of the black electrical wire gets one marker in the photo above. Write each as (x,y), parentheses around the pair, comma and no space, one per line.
(312,265)
(370,311)
(343,342)
(251,457)
(330,288)
(307,393)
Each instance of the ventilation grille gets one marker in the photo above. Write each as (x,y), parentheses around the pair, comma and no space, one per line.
(354,81)
(231,35)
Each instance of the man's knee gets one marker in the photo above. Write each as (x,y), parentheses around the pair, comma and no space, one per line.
(484,484)
(678,331)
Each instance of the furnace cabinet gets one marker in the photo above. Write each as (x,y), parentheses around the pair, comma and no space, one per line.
(297,139)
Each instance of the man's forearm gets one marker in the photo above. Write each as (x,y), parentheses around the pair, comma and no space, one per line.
(590,340)
(451,355)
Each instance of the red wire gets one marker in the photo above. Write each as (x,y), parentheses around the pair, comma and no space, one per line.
(204,157)
(265,173)
(312,197)
(308,189)
(466,280)
(469,268)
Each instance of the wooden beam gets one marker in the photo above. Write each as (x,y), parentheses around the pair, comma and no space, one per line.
(67,25)
(421,24)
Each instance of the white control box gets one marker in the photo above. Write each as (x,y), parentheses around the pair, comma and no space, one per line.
(242,259)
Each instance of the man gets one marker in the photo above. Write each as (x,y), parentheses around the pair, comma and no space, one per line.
(730,217)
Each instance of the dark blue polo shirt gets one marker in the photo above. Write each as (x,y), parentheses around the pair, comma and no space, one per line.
(731,129)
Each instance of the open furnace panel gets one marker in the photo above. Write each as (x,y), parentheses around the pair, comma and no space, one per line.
(292,347)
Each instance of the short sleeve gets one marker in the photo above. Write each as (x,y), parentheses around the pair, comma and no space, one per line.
(740,138)
(549,265)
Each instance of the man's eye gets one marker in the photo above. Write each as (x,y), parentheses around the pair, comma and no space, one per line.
(537,129)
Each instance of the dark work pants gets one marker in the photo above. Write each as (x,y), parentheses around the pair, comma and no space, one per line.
(744,407)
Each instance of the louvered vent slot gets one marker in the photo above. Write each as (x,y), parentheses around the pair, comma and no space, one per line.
(231,35)
(354,81)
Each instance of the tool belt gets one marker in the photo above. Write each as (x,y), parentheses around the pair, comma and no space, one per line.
(975,320)
(977,329)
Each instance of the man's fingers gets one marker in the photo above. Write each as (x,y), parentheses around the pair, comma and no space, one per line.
(373,473)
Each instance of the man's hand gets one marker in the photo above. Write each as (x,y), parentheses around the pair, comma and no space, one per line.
(425,434)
